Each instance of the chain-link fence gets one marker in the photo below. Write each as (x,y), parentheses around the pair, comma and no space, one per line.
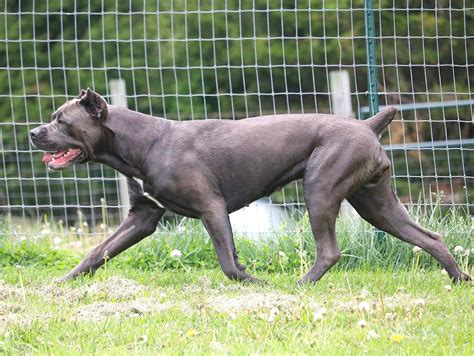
(193,60)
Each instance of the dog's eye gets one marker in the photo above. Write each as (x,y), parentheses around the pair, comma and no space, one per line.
(58,117)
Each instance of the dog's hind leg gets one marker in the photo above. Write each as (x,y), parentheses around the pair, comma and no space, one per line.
(329,176)
(140,222)
(377,203)
(322,211)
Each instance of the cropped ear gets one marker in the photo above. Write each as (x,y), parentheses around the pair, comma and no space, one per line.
(81,94)
(94,104)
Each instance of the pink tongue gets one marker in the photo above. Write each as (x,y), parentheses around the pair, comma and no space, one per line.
(48,157)
(61,161)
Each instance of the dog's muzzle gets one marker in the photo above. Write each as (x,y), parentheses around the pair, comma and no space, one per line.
(55,158)
(37,134)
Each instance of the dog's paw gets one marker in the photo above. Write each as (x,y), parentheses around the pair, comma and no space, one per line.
(254,280)
(462,278)
(306,280)
(240,266)
(247,278)
(66,278)
(75,274)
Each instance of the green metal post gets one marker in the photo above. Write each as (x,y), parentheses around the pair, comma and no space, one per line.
(371,57)
(372,75)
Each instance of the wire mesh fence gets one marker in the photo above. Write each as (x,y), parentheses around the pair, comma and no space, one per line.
(193,60)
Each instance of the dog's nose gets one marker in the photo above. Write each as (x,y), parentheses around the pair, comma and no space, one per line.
(34,133)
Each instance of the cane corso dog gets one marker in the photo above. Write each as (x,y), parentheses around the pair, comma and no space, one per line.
(207,169)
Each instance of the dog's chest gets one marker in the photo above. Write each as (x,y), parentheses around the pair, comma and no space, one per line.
(147,195)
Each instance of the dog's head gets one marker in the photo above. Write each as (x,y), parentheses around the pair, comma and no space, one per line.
(75,133)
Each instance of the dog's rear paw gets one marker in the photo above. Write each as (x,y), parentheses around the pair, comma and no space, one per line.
(75,274)
(66,278)
(463,277)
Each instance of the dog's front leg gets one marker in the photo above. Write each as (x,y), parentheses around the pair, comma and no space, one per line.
(217,223)
(140,222)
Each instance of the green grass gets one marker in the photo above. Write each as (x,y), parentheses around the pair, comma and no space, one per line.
(124,311)
(286,252)
(146,302)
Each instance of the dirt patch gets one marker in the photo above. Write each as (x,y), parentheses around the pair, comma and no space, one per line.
(10,291)
(251,301)
(100,311)
(11,314)
(114,288)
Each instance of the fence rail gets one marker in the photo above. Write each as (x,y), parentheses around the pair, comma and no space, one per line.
(233,59)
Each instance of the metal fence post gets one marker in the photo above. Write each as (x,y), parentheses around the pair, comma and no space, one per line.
(118,96)
(372,79)
(372,89)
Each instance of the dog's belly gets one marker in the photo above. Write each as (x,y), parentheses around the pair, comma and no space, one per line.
(241,193)
(190,187)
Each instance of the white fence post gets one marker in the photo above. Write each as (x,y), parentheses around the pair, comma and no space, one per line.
(118,96)
(340,93)
(340,88)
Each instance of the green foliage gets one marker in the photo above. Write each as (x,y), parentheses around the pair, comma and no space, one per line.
(31,254)
(361,246)
(195,60)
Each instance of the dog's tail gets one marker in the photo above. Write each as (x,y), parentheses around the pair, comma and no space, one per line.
(380,121)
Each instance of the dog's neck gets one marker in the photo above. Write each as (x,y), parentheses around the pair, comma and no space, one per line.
(129,137)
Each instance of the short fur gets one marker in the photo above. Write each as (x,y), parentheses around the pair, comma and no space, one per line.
(207,169)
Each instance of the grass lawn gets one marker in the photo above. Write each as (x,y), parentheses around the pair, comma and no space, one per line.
(124,310)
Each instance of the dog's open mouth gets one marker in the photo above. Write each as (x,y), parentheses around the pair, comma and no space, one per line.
(61,159)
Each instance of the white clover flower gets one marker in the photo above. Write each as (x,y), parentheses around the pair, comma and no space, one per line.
(364,293)
(273,313)
(176,254)
(302,253)
(417,249)
(364,306)
(317,315)
(458,249)
(371,334)
(448,288)
(281,254)
(390,316)
(444,272)
(362,323)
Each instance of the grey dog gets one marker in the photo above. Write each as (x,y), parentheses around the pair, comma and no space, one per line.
(207,169)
